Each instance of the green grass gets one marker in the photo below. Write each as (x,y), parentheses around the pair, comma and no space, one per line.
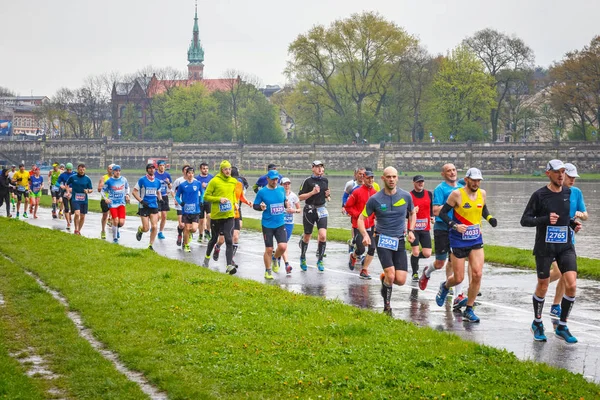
(33,319)
(509,256)
(196,333)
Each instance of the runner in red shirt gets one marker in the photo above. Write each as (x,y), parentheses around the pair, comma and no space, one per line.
(423,201)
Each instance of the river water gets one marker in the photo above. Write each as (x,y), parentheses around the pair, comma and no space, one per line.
(506,200)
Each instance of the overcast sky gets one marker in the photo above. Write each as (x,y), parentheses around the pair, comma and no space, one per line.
(49,44)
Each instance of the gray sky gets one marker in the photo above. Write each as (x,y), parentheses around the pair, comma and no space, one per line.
(49,44)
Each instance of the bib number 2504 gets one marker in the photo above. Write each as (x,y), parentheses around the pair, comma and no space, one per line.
(388,242)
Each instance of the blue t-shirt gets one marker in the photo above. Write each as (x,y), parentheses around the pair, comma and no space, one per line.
(78,184)
(440,195)
(115,190)
(190,194)
(164,186)
(64,177)
(273,215)
(148,190)
(35,183)
(263,181)
(576,200)
(204,180)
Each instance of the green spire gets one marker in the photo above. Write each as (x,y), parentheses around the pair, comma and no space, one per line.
(196,52)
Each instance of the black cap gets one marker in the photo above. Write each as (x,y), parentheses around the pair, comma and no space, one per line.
(369,173)
(418,178)
(272,166)
(150,165)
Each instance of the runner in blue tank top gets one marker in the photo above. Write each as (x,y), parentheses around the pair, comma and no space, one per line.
(147,192)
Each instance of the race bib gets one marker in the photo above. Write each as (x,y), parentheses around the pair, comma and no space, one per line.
(421,225)
(224,207)
(80,197)
(189,208)
(322,212)
(277,209)
(388,242)
(473,232)
(21,188)
(289,218)
(556,234)
(117,195)
(150,191)
(55,188)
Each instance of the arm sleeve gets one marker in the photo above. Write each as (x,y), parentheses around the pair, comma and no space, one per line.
(530,217)
(444,213)
(430,202)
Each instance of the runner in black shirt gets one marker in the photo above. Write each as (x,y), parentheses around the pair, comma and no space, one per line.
(548,211)
(314,191)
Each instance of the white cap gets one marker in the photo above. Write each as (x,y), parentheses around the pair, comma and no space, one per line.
(285,180)
(474,173)
(555,165)
(571,170)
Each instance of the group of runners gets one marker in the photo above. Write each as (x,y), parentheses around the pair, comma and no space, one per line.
(382,220)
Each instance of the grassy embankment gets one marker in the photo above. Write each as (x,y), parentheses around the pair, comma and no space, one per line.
(510,256)
(196,333)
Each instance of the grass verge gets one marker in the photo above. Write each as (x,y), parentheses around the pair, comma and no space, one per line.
(510,256)
(32,319)
(198,334)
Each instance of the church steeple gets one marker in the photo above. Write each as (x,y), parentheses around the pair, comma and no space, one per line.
(195,53)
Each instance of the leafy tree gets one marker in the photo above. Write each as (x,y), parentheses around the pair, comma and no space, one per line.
(261,122)
(463,96)
(131,126)
(504,58)
(351,63)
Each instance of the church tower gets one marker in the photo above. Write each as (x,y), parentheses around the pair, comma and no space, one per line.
(196,53)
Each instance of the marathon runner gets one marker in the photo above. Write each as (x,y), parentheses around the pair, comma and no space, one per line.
(165,187)
(180,224)
(293,207)
(423,201)
(391,207)
(5,191)
(147,193)
(189,196)
(12,188)
(64,194)
(262,180)
(204,178)
(273,204)
(466,240)
(36,185)
(315,193)
(21,182)
(220,192)
(103,205)
(548,210)
(54,189)
(354,206)
(79,186)
(578,211)
(115,192)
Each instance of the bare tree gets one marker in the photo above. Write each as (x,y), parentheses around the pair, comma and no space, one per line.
(240,87)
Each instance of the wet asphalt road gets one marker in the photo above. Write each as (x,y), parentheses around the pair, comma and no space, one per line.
(505,306)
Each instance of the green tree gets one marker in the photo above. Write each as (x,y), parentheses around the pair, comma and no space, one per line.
(504,57)
(131,126)
(260,122)
(351,63)
(463,96)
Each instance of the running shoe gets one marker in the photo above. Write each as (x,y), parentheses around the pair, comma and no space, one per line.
(387,311)
(207,235)
(216,253)
(350,246)
(288,268)
(320,266)
(200,237)
(206,261)
(415,277)
(469,315)
(459,301)
(562,332)
(150,247)
(441,294)
(161,236)
(115,240)
(555,310)
(68,225)
(268,274)
(538,331)
(231,269)
(77,233)
(186,248)
(352,261)
(364,274)
(179,240)
(303,265)
(102,235)
(54,216)
(139,234)
(17,217)
(25,215)
(424,280)
(275,265)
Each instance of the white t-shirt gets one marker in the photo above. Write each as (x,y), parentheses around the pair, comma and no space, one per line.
(174,188)
(292,200)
